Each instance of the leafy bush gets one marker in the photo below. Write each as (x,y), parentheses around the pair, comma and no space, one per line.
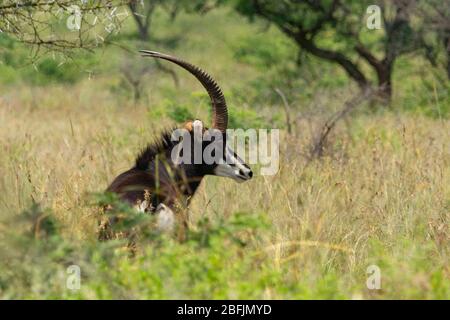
(215,262)
(245,118)
(17,65)
(261,53)
(179,113)
(171,109)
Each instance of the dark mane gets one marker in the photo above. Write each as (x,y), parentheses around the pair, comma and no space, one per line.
(159,146)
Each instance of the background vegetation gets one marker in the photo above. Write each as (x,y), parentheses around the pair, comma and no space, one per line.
(377,193)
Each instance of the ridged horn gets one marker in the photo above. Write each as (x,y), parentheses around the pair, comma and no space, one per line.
(219,105)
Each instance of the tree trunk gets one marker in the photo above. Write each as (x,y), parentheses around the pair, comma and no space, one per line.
(142,19)
(385,88)
(384,75)
(143,32)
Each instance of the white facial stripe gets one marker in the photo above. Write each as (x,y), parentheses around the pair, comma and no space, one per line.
(233,167)
(234,159)
(225,170)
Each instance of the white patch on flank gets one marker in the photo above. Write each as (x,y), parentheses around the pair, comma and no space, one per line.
(165,218)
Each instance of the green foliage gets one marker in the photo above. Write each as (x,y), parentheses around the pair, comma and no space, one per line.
(398,275)
(245,118)
(428,97)
(222,266)
(52,71)
(16,65)
(263,54)
(171,109)
(220,260)
(179,113)
(334,31)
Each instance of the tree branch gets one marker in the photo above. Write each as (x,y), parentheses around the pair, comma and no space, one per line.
(333,56)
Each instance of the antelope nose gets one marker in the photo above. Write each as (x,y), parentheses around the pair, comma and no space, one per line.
(246,173)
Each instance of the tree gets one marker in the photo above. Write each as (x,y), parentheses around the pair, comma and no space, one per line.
(61,25)
(436,18)
(309,22)
(143,10)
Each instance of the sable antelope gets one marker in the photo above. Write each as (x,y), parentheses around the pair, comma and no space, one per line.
(156,183)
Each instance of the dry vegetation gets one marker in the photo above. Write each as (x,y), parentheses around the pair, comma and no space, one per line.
(380,195)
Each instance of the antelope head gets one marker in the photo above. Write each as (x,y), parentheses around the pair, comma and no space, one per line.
(228,163)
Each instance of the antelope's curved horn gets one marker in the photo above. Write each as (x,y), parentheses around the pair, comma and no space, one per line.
(219,105)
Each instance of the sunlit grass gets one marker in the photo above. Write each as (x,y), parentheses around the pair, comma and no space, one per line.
(380,196)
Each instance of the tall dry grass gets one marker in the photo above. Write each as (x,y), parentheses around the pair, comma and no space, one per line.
(380,195)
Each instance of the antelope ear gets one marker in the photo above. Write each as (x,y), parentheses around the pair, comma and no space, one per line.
(188,126)
(197,124)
